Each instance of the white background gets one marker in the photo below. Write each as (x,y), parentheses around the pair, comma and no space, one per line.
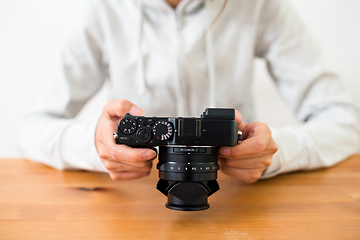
(31,32)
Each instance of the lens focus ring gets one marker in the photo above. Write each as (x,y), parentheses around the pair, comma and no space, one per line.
(188,163)
(189,167)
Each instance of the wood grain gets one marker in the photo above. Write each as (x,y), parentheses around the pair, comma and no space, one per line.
(38,202)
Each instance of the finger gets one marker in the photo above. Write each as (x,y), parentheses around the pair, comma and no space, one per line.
(243,156)
(137,157)
(119,107)
(108,127)
(247,175)
(247,163)
(124,167)
(132,156)
(270,149)
(238,119)
(256,143)
(114,108)
(127,175)
(108,149)
(119,152)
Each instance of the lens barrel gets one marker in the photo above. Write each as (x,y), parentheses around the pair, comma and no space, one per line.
(187,176)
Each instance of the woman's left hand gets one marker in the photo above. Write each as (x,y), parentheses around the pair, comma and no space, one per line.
(248,160)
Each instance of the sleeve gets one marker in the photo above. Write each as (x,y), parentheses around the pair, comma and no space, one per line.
(50,134)
(331,123)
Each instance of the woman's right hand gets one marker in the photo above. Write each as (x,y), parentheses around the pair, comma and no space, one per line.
(123,162)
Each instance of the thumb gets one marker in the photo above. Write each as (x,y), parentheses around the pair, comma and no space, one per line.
(238,119)
(119,107)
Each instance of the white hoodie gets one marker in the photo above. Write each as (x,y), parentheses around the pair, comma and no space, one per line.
(179,62)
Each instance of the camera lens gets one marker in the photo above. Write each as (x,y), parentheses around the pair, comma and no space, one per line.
(188,176)
(188,152)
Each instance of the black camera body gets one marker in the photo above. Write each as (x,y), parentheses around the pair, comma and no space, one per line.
(216,127)
(188,152)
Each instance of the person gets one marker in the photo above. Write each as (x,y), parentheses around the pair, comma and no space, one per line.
(176,58)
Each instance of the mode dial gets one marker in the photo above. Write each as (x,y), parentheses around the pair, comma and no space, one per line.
(163,130)
(128,125)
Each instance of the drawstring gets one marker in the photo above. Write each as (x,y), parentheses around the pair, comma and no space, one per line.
(209,50)
(141,79)
(209,55)
(209,58)
(182,108)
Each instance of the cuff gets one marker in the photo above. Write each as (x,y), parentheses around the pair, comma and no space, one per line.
(275,166)
(78,148)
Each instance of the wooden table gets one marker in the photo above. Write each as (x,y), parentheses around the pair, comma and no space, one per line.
(38,202)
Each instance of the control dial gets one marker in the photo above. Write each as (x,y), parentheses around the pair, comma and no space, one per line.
(163,130)
(128,125)
(143,134)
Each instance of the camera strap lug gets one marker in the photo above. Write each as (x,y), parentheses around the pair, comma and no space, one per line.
(239,133)
(116,137)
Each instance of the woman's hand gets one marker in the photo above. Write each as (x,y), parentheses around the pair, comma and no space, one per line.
(248,160)
(123,162)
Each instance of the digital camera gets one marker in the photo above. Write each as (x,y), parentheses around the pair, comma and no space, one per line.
(188,152)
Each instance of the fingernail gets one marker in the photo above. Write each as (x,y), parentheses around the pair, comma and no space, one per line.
(136,111)
(225,151)
(150,154)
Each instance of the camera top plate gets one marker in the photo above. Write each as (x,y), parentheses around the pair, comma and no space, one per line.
(216,127)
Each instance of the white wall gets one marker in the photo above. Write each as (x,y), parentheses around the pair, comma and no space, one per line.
(31,32)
